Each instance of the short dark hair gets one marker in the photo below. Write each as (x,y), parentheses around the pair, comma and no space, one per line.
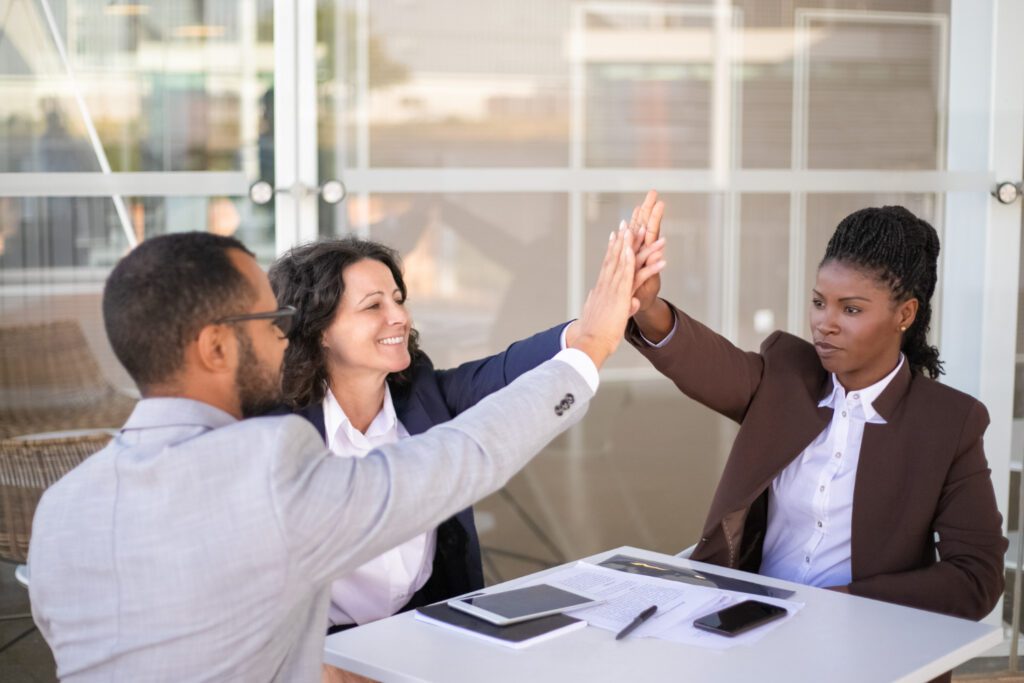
(902,251)
(159,297)
(309,277)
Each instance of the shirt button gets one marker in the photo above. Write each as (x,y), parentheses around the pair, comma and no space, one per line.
(819,525)
(844,413)
(821,488)
(839,455)
(854,395)
(807,560)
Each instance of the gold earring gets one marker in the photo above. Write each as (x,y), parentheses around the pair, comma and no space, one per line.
(903,328)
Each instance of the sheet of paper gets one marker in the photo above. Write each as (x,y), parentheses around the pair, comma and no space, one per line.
(678,626)
(627,595)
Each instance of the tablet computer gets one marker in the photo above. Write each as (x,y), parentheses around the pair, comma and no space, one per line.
(521,604)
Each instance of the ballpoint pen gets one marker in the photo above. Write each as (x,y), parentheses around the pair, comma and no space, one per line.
(640,618)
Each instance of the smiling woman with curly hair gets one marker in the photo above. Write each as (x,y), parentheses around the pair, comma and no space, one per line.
(354,370)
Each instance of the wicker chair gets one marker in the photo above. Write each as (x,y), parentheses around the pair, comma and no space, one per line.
(50,381)
(27,468)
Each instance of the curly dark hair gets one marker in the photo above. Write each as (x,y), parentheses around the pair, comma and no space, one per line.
(902,251)
(309,277)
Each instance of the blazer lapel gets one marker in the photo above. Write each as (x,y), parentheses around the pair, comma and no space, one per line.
(879,483)
(412,413)
(315,414)
(761,451)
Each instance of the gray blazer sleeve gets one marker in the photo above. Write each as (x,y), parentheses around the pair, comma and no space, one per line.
(337,513)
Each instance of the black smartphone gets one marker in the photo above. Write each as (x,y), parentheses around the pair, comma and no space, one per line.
(740,617)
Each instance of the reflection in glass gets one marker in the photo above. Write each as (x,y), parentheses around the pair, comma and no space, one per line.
(764,267)
(174,88)
(167,87)
(483,270)
(84,231)
(884,109)
(690,280)
(445,84)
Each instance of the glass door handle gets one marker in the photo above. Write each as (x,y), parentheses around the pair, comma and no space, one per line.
(331,191)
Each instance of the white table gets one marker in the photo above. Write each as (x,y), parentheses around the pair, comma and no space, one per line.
(835,638)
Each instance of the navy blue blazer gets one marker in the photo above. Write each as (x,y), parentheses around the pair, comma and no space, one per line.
(435,396)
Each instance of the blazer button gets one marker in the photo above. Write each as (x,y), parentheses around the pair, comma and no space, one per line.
(569,398)
(559,410)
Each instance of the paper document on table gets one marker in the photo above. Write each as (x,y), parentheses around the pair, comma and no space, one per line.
(678,627)
(626,595)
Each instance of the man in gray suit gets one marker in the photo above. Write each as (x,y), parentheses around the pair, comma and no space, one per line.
(200,546)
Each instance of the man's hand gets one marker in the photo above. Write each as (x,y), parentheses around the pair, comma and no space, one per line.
(610,303)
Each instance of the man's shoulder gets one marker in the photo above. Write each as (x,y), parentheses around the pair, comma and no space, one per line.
(267,434)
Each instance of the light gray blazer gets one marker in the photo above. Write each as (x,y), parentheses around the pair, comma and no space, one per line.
(196,547)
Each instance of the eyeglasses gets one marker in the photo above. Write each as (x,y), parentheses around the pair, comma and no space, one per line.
(282,318)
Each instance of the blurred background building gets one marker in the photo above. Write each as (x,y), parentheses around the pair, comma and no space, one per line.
(496,143)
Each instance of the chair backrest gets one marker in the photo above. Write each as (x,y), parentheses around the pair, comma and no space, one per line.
(48,366)
(27,468)
(50,381)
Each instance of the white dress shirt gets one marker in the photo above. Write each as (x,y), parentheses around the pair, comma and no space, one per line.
(383,585)
(811,503)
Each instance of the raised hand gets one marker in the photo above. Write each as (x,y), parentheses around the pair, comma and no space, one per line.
(645,224)
(609,304)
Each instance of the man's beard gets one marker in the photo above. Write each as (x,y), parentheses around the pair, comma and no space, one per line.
(258,386)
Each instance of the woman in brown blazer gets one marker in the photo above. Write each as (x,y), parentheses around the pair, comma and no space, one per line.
(853,468)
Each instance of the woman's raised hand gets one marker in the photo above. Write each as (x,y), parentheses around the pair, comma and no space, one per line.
(610,303)
(645,224)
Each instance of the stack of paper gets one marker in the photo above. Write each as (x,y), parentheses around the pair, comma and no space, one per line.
(625,595)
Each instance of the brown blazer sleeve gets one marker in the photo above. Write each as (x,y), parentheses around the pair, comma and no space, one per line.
(705,366)
(967,581)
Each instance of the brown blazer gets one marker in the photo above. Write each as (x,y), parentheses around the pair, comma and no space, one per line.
(920,474)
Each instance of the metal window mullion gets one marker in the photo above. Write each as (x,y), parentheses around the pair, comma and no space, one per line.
(90,128)
(725,158)
(286,141)
(173,183)
(798,162)
(306,111)
(575,266)
(362,127)
(1000,283)
(677,181)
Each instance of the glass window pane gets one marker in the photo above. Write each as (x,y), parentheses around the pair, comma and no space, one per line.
(168,86)
(764,267)
(483,270)
(447,83)
(882,108)
(45,232)
(691,250)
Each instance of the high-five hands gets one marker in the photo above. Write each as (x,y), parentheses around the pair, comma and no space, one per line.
(645,224)
(611,302)
(653,316)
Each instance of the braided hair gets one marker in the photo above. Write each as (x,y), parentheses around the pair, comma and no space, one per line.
(902,251)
